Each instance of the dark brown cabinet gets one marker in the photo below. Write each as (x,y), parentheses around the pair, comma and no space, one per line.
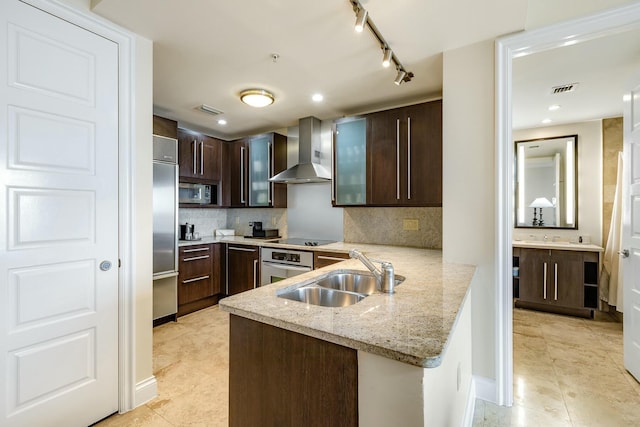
(243,268)
(198,277)
(251,162)
(404,156)
(199,157)
(165,127)
(562,281)
(323,258)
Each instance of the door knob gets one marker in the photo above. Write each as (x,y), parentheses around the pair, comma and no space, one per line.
(105,265)
(624,253)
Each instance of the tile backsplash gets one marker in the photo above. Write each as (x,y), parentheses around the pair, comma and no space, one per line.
(239,219)
(204,220)
(386,226)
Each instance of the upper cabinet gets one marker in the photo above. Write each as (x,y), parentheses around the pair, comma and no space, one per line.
(350,161)
(402,158)
(165,127)
(199,157)
(252,161)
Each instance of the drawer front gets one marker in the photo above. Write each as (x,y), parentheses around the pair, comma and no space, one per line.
(195,261)
(322,259)
(194,289)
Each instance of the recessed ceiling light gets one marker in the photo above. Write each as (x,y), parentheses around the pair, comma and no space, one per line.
(554,107)
(317,97)
(257,97)
(222,122)
(546,121)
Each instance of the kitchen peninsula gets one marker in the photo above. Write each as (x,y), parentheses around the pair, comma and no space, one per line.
(400,359)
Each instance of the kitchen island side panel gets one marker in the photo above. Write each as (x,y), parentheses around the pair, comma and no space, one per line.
(278,377)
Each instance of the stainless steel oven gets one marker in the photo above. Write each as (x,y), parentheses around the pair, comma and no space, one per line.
(279,264)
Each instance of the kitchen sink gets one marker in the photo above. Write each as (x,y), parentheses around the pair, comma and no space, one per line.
(361,282)
(339,288)
(325,297)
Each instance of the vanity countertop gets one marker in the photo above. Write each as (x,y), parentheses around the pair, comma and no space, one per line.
(413,325)
(565,246)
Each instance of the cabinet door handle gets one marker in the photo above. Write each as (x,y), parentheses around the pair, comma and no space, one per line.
(398,159)
(195,258)
(233,248)
(544,281)
(202,158)
(186,251)
(409,158)
(242,175)
(194,151)
(271,170)
(255,273)
(195,280)
(555,274)
(331,258)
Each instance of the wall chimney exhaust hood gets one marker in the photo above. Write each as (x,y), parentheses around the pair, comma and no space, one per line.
(306,170)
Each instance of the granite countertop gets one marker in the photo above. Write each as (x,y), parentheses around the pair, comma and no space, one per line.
(412,326)
(565,246)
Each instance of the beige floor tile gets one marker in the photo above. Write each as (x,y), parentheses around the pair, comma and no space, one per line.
(139,417)
(498,416)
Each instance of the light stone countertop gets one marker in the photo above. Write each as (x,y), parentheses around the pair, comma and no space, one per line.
(411,326)
(565,246)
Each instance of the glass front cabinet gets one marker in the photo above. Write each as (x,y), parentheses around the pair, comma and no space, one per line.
(350,162)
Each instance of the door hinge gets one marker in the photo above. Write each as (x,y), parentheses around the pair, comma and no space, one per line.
(119,263)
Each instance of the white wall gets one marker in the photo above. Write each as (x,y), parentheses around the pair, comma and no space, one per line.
(589,179)
(468,184)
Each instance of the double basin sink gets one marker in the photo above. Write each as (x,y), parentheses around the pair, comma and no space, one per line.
(339,288)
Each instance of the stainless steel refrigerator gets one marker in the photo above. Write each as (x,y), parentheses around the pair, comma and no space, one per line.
(165,228)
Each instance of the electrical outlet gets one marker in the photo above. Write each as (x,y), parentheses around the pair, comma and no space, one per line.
(273,220)
(237,220)
(410,224)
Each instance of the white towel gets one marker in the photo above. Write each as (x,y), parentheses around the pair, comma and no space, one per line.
(611,261)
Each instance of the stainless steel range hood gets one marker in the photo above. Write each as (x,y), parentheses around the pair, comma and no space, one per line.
(307,170)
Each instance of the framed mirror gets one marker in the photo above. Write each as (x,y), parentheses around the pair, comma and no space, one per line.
(546,184)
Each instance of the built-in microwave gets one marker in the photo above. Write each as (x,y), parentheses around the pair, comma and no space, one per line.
(197,194)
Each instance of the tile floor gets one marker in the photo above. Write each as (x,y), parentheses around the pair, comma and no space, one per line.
(567,372)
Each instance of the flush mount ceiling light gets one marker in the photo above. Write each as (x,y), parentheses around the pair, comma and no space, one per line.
(364,20)
(257,97)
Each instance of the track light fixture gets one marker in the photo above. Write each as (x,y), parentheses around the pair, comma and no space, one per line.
(400,77)
(362,20)
(387,57)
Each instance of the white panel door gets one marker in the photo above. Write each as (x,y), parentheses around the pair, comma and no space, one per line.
(59,199)
(631,231)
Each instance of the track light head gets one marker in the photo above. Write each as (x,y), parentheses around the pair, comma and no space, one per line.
(361,19)
(400,77)
(387,57)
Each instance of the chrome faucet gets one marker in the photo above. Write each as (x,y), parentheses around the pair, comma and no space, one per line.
(385,278)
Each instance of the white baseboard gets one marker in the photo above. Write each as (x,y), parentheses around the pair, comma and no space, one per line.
(485,388)
(146,390)
(471,405)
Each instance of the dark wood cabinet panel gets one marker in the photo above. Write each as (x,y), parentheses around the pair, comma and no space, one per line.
(383,158)
(243,268)
(282,378)
(323,259)
(199,157)
(404,156)
(554,280)
(238,176)
(198,277)
(165,127)
(423,178)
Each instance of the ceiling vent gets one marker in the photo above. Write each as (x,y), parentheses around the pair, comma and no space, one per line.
(209,110)
(570,87)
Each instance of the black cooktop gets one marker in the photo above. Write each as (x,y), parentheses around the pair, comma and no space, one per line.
(303,242)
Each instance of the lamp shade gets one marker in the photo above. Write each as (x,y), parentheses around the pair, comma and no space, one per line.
(541,202)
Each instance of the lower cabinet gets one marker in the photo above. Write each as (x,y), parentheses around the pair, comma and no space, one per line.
(243,268)
(562,281)
(199,277)
(322,259)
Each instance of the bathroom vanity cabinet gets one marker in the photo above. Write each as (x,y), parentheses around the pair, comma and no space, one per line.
(557,280)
